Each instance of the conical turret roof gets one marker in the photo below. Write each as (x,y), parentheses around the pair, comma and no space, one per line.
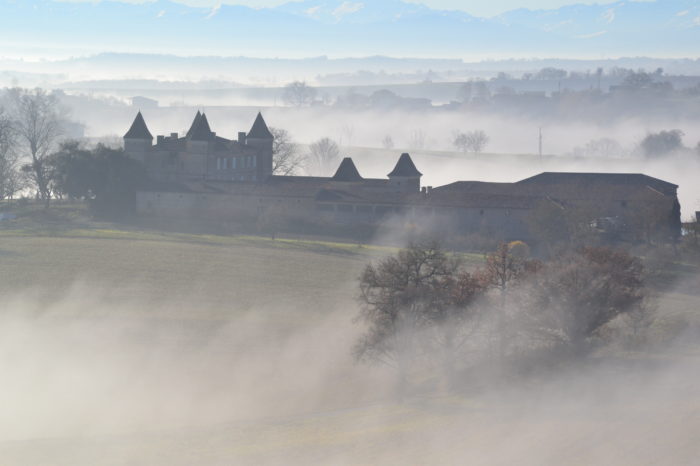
(260,129)
(138,129)
(405,167)
(347,171)
(195,122)
(202,131)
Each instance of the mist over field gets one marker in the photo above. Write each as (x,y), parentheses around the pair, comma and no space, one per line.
(89,379)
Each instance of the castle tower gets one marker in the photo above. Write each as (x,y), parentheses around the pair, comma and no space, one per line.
(199,137)
(262,139)
(405,177)
(138,141)
(195,122)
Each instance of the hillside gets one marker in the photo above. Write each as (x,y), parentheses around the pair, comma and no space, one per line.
(146,347)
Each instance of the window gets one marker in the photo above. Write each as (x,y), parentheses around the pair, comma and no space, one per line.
(218,163)
(255,161)
(233,163)
(225,163)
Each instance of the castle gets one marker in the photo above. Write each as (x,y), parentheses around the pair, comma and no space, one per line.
(204,176)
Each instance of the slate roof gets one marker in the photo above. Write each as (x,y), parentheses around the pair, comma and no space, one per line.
(405,167)
(194,124)
(598,179)
(347,171)
(260,129)
(202,131)
(138,129)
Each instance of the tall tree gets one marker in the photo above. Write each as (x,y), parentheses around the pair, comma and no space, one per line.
(396,295)
(502,270)
(103,176)
(662,143)
(414,303)
(471,141)
(580,292)
(10,177)
(39,123)
(286,158)
(323,158)
(298,94)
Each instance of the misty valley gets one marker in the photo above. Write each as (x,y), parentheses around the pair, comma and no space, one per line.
(349,233)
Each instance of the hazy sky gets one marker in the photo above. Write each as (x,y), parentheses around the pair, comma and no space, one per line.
(474,7)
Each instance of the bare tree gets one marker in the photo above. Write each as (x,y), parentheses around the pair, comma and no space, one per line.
(416,139)
(604,147)
(298,94)
(286,157)
(324,156)
(347,132)
(580,292)
(472,141)
(398,297)
(39,125)
(388,142)
(503,269)
(10,177)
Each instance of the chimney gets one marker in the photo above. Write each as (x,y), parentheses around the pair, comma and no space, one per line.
(160,139)
(428,189)
(241,137)
(173,135)
(424,190)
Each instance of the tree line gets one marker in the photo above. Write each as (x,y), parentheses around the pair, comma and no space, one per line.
(36,157)
(425,314)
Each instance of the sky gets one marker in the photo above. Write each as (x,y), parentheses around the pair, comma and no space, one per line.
(473,7)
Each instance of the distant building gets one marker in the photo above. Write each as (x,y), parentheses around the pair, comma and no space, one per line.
(143,102)
(202,175)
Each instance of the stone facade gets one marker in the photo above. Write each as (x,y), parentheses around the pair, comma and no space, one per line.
(201,154)
(204,176)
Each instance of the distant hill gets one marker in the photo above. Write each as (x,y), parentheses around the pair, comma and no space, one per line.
(349,28)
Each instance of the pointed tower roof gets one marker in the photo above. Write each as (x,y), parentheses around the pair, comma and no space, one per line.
(138,129)
(195,122)
(405,167)
(260,129)
(347,171)
(201,131)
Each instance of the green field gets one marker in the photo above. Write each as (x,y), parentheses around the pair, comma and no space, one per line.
(154,299)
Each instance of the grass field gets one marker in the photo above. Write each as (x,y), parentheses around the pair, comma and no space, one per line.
(130,274)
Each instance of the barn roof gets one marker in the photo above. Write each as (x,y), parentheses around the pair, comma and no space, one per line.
(589,179)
